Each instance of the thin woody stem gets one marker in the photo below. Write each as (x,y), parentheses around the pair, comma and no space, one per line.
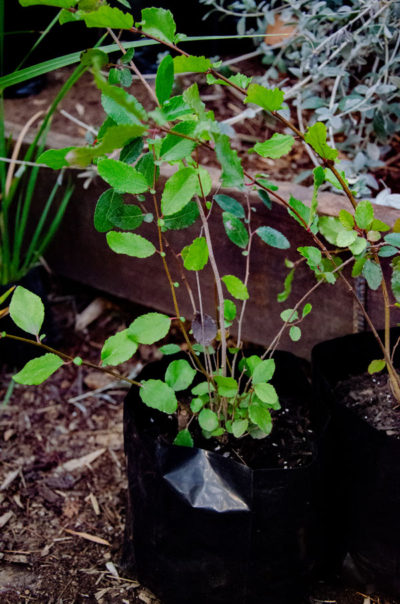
(69,358)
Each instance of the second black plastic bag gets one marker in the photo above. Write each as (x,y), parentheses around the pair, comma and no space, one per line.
(203,528)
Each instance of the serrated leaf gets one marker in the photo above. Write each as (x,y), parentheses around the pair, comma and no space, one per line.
(295,333)
(232,171)
(393,239)
(395,283)
(182,219)
(169,349)
(235,287)
(346,219)
(226,386)
(38,370)
(239,427)
(203,177)
(174,147)
(184,439)
(268,99)
(313,256)
(122,177)
(235,230)
(195,255)
(55,158)
(364,214)
(178,191)
(146,167)
(150,327)
(372,273)
(119,105)
(264,371)
(239,79)
(208,420)
(316,138)
(283,296)
(260,416)
(179,375)
(174,108)
(275,147)
(118,348)
(120,76)
(131,150)
(229,310)
(204,329)
(130,244)
(192,64)
(273,237)
(302,214)
(376,366)
(159,22)
(229,204)
(345,238)
(319,179)
(378,225)
(158,395)
(106,16)
(26,310)
(164,79)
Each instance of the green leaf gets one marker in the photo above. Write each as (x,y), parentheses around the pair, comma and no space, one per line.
(27,310)
(208,420)
(235,230)
(118,348)
(236,287)
(107,203)
(395,283)
(287,287)
(227,386)
(168,349)
(106,16)
(178,191)
(364,214)
(3,297)
(393,239)
(122,177)
(174,147)
(203,389)
(378,225)
(164,79)
(57,3)
(268,99)
(179,375)
(159,23)
(358,246)
(319,179)
(184,439)
(229,310)
(203,177)
(346,238)
(158,395)
(119,105)
(192,64)
(130,244)
(358,267)
(196,405)
(191,96)
(239,79)
(372,273)
(120,76)
(131,150)
(295,333)
(289,315)
(265,198)
(387,250)
(239,427)
(182,219)
(146,167)
(260,416)
(316,138)
(266,393)
(55,158)
(306,309)
(313,256)
(232,171)
(195,255)
(376,366)
(264,371)
(302,214)
(276,146)
(174,108)
(229,204)
(127,217)
(150,327)
(273,237)
(38,370)
(346,219)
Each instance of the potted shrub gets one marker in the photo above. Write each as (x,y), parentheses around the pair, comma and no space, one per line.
(213,396)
